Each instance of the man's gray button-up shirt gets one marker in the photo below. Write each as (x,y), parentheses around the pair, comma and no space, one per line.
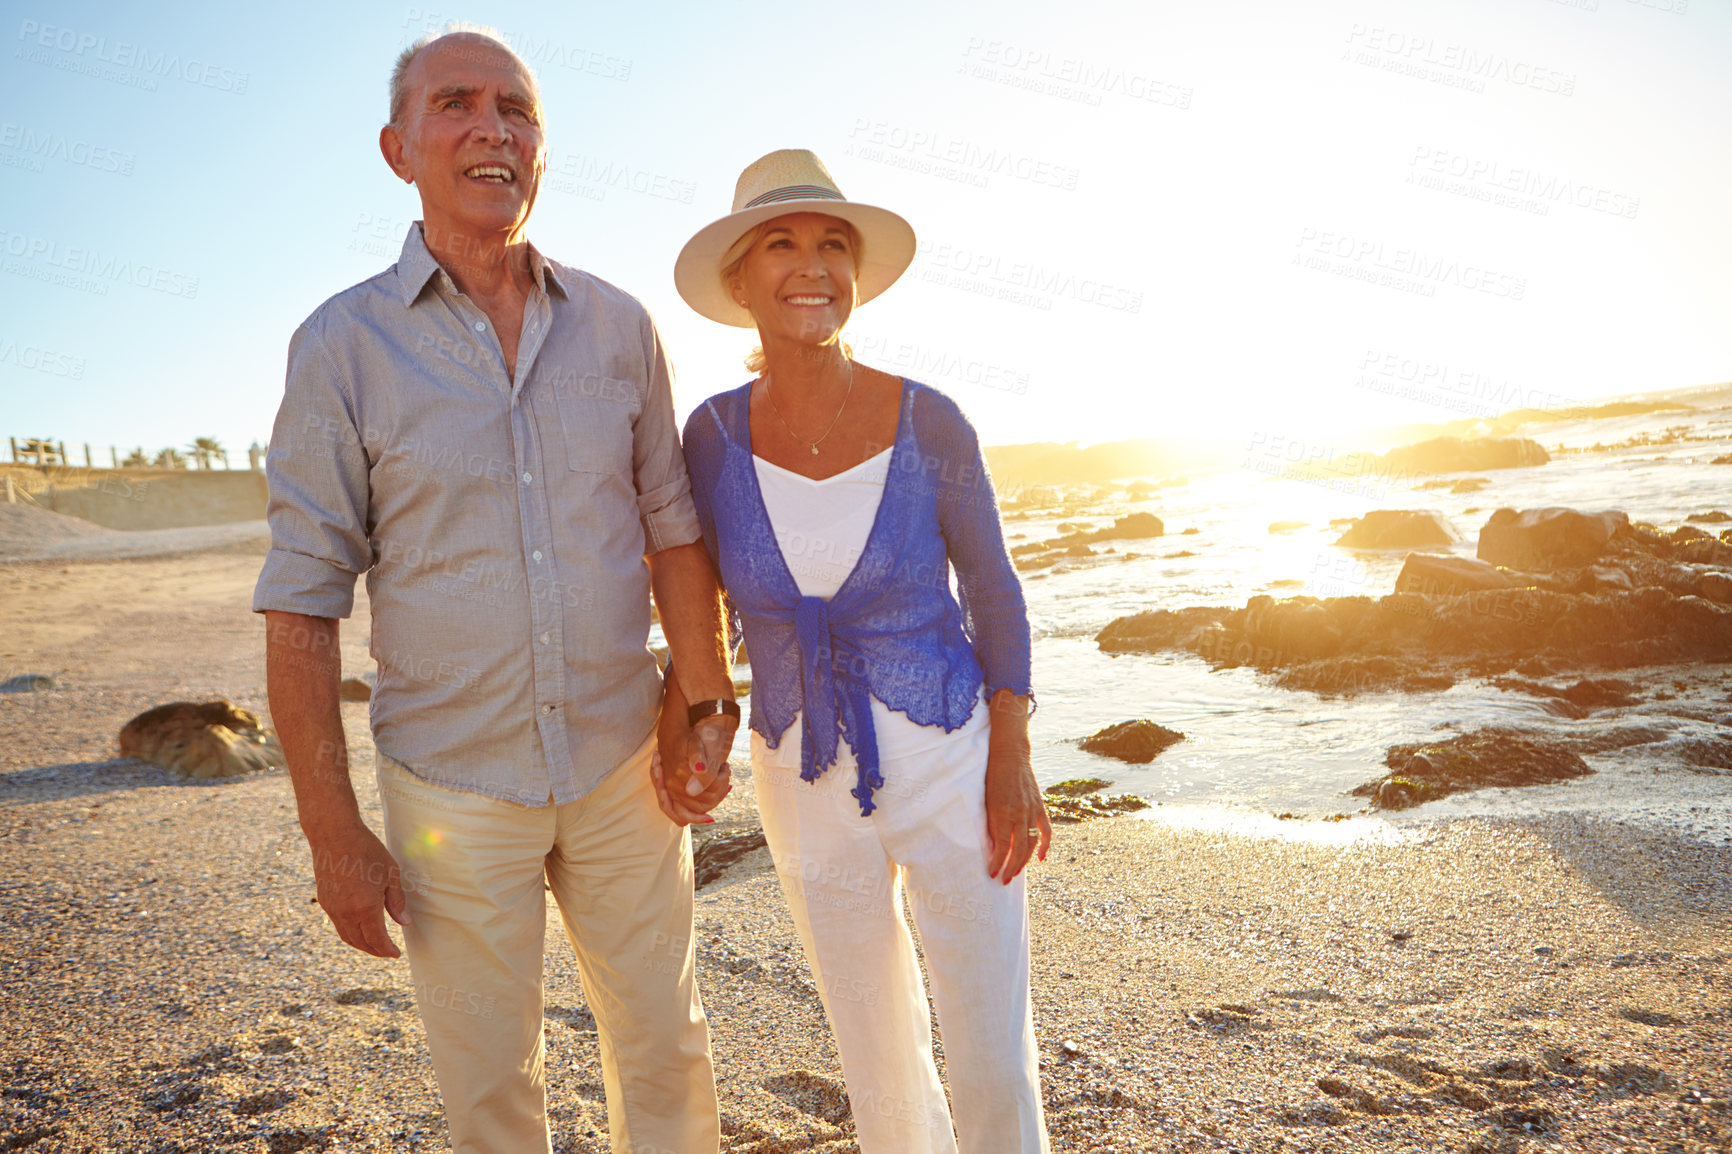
(502,523)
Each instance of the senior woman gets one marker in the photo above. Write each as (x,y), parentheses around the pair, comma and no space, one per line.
(890,750)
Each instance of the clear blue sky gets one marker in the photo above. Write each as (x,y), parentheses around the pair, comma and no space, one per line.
(1148,219)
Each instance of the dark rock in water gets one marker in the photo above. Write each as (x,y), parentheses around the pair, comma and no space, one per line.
(1077,787)
(354,689)
(1285,526)
(1133,527)
(1134,741)
(1586,695)
(1714,517)
(27,683)
(712,857)
(1074,809)
(1399,529)
(1340,676)
(1433,574)
(1547,539)
(1454,455)
(1297,629)
(1158,629)
(1484,759)
(1726,460)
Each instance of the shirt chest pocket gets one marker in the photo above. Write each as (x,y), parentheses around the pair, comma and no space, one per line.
(597,415)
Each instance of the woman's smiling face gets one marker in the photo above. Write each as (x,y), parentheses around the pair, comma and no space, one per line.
(797,278)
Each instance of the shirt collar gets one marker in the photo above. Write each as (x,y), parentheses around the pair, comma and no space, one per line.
(416,266)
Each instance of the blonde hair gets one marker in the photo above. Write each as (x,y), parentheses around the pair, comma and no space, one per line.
(735,258)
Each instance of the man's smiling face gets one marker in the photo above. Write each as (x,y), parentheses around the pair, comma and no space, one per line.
(469,137)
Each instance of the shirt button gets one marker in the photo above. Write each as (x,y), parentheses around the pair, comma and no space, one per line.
(527,478)
(536,554)
(480,326)
(546,637)
(547,709)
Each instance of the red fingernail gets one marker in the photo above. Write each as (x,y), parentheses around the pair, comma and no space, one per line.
(708,821)
(700,767)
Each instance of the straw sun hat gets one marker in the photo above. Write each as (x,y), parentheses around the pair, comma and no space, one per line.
(791,180)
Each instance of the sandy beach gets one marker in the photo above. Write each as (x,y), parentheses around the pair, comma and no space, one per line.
(1563,983)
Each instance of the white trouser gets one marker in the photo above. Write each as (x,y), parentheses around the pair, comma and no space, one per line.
(845,876)
(622,875)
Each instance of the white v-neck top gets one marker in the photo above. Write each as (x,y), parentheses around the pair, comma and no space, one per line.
(822,527)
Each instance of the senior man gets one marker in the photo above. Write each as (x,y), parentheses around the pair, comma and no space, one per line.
(489,436)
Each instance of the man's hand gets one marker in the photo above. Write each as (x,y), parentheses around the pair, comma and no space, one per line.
(690,765)
(1016,818)
(359,883)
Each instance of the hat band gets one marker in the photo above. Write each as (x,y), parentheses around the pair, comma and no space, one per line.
(793,192)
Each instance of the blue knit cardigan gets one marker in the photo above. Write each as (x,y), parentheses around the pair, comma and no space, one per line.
(894,630)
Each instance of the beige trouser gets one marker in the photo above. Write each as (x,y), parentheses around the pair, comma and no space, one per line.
(621,873)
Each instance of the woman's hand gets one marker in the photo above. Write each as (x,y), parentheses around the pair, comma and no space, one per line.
(1016,820)
(690,765)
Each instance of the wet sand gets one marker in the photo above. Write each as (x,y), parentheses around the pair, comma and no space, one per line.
(168,984)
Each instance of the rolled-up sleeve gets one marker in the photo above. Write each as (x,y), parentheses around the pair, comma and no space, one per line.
(317,473)
(664,493)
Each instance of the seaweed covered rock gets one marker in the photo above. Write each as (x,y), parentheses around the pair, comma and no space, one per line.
(1486,758)
(1080,799)
(1137,742)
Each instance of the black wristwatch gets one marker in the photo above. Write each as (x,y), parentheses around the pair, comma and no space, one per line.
(714,708)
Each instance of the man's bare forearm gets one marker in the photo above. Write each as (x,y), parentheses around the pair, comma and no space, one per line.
(303,666)
(689,600)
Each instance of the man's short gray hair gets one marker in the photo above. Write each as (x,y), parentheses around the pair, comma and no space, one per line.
(400,71)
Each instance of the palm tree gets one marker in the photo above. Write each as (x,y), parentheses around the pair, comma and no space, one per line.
(170,458)
(204,448)
(135,460)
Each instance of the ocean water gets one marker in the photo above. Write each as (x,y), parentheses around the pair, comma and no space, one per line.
(1252,750)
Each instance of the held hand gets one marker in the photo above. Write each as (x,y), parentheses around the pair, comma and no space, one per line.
(1016,819)
(690,769)
(359,882)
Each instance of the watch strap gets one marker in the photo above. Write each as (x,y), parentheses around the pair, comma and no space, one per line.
(715,707)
